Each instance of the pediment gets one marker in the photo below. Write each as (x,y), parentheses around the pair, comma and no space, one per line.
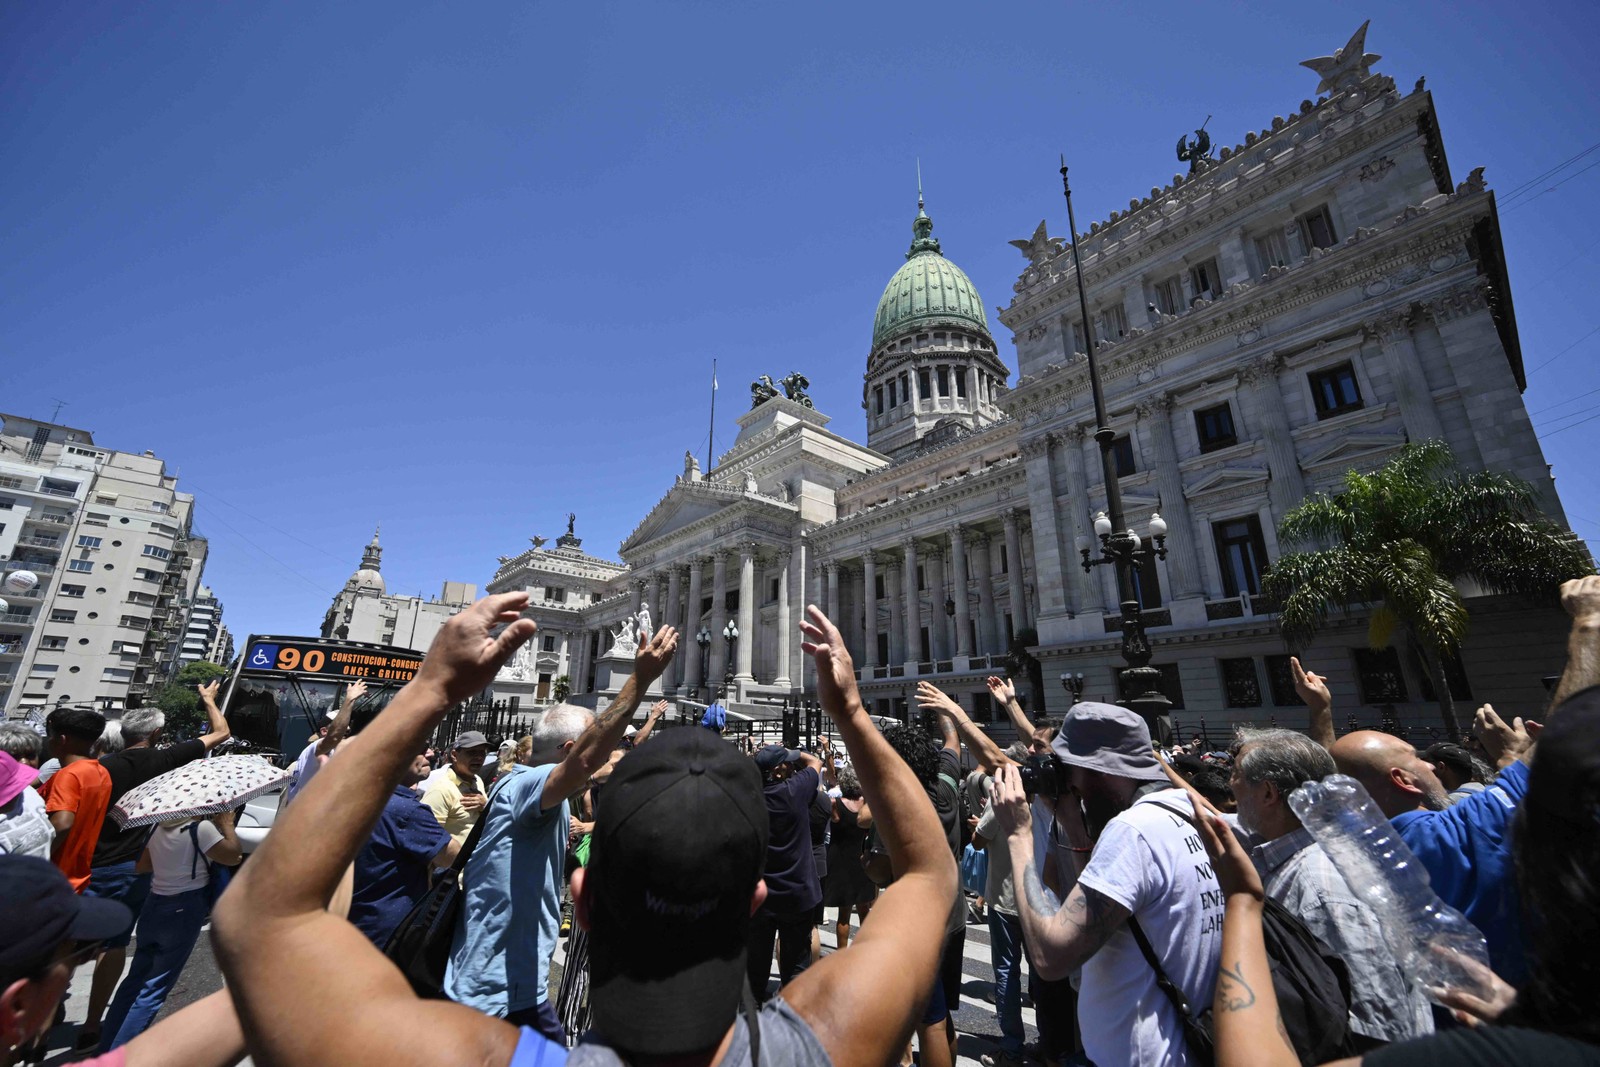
(1227,478)
(688,503)
(1347,451)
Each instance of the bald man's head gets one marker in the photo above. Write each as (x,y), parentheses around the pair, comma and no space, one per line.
(1393,774)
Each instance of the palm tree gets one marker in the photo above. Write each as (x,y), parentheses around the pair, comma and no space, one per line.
(1398,540)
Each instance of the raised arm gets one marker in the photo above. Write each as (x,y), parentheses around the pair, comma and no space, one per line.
(1004,692)
(341,721)
(1313,691)
(1581,598)
(656,711)
(217,730)
(273,938)
(863,1001)
(984,749)
(204,1034)
(1059,937)
(595,745)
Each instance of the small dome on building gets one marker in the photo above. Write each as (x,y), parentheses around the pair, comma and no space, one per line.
(927,291)
(367,579)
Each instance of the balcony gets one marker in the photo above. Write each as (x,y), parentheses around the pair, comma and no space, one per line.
(55,520)
(16,618)
(38,541)
(11,651)
(51,490)
(38,566)
(10,481)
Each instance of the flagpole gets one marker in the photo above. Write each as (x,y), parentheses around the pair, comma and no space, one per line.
(711,438)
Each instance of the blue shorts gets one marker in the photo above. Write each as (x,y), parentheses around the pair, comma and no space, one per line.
(117,881)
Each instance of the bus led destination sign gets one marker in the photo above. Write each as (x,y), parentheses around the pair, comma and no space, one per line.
(332,659)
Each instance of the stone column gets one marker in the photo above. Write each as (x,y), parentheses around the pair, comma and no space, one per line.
(636,595)
(938,621)
(786,624)
(1183,564)
(897,613)
(747,612)
(719,616)
(658,610)
(988,629)
(1016,577)
(691,625)
(830,572)
(1088,592)
(913,609)
(869,613)
(853,611)
(958,582)
(672,614)
(1052,556)
(1259,379)
(1417,410)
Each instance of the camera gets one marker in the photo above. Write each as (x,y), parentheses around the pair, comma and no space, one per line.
(1044,774)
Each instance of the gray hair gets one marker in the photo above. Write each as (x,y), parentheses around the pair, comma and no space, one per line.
(1285,758)
(21,742)
(849,782)
(111,741)
(1017,750)
(142,724)
(558,725)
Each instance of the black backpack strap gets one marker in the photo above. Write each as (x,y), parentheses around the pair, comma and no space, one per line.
(476,832)
(1165,984)
(752,1024)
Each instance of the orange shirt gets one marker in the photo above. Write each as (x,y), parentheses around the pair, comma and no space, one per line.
(83,788)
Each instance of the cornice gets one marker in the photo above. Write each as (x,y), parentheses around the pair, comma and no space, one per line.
(996,433)
(1006,474)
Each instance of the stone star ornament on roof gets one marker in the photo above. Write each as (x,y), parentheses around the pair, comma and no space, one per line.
(1040,248)
(1348,66)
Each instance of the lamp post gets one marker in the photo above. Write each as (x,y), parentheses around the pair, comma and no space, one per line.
(703,639)
(730,634)
(1073,684)
(1120,547)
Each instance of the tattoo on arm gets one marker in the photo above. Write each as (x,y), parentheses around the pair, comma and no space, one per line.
(1040,899)
(1233,992)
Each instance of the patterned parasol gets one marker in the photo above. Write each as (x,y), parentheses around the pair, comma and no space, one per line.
(204,787)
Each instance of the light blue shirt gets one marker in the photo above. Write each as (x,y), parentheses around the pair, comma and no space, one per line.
(511,910)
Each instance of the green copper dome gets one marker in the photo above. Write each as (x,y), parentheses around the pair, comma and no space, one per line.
(928,290)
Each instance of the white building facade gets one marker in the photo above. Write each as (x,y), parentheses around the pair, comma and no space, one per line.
(364,610)
(1302,304)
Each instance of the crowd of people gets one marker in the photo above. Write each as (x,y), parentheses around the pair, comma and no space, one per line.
(1167,906)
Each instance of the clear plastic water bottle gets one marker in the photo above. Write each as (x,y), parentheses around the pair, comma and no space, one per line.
(1436,946)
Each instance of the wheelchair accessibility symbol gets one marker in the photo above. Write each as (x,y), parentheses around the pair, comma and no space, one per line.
(264,657)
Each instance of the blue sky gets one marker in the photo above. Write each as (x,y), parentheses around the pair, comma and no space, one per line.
(463,268)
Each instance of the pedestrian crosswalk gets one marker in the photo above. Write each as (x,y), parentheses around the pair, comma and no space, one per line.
(977,1022)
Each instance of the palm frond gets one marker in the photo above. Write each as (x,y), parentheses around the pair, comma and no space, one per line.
(1309,586)
(1426,600)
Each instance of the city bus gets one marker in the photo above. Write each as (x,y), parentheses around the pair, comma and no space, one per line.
(284,687)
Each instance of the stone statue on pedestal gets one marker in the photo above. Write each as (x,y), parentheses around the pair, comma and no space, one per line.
(643,630)
(623,642)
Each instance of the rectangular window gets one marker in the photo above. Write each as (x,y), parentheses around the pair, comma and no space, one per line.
(85,541)
(1272,250)
(1122,456)
(1240,685)
(548,643)
(1005,562)
(982,707)
(889,385)
(961,383)
(1335,391)
(1241,554)
(80,565)
(878,587)
(1215,428)
(53,643)
(1316,227)
(1455,675)
(877,394)
(943,378)
(58,615)
(924,388)
(905,388)
(1280,680)
(72,590)
(1206,279)
(772,590)
(145,574)
(157,552)
(7,503)
(44,668)
(1111,324)
(920,574)
(1169,295)
(1379,675)
(116,674)
(142,599)
(133,622)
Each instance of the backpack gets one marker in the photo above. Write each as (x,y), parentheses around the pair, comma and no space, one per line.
(220,875)
(1311,982)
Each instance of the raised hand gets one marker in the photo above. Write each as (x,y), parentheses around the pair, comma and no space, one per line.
(208,692)
(1001,689)
(1312,688)
(1504,742)
(466,655)
(1581,596)
(354,692)
(1010,801)
(652,658)
(658,709)
(836,673)
(931,696)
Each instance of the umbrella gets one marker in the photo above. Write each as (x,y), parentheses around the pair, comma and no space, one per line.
(204,787)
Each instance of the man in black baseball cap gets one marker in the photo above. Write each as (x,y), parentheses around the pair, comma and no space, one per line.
(673,875)
(47,930)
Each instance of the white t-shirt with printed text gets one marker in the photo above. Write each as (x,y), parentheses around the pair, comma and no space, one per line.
(1152,862)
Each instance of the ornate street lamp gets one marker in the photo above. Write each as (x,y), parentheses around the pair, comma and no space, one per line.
(1073,684)
(703,639)
(1120,547)
(730,634)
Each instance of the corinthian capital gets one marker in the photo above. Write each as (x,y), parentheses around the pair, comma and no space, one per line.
(1035,447)
(1153,406)
(1390,326)
(1263,368)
